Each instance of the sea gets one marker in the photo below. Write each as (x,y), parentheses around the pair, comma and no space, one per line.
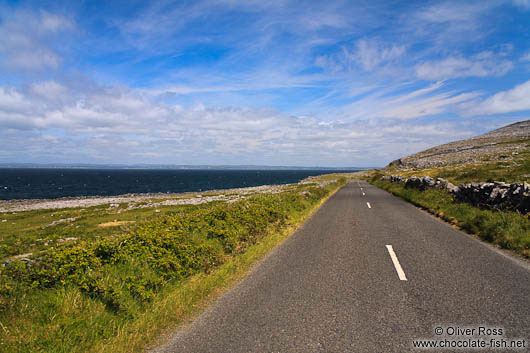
(51,183)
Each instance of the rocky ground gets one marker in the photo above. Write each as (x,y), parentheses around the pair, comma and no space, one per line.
(136,200)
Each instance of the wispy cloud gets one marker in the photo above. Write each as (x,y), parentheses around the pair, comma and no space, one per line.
(369,55)
(484,64)
(450,24)
(365,54)
(139,126)
(272,82)
(24,39)
(427,101)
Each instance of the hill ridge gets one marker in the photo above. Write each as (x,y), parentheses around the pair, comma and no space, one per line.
(498,143)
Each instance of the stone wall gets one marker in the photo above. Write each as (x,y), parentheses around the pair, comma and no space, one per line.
(497,195)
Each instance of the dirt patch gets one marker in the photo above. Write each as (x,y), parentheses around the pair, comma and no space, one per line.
(115,223)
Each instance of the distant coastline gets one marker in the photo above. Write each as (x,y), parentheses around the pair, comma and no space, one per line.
(170,167)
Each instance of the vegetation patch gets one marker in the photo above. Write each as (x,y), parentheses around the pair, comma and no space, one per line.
(507,230)
(117,292)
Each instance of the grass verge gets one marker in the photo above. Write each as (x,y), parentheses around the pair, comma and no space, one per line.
(118,294)
(507,230)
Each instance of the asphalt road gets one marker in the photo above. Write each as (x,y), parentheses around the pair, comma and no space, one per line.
(335,287)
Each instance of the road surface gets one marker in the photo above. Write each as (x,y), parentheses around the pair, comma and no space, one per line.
(367,273)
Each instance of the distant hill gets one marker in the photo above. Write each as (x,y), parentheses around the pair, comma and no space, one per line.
(495,145)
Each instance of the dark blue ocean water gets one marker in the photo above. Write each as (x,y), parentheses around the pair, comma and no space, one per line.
(36,183)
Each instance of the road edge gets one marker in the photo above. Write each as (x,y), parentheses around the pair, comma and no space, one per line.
(229,275)
(509,254)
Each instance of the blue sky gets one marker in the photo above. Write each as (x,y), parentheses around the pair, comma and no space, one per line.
(335,83)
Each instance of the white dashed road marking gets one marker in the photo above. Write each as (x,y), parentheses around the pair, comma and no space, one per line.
(368,204)
(399,270)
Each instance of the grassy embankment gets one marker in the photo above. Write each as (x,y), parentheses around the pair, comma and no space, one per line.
(507,230)
(116,291)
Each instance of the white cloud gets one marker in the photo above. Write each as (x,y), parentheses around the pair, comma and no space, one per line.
(366,54)
(267,53)
(447,24)
(53,23)
(24,39)
(123,125)
(12,101)
(513,100)
(483,64)
(392,103)
(329,63)
(426,107)
(450,12)
(418,93)
(50,90)
(369,54)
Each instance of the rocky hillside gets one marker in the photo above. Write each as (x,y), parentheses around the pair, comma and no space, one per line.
(500,144)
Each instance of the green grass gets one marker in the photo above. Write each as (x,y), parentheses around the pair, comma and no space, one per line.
(31,231)
(117,290)
(507,230)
